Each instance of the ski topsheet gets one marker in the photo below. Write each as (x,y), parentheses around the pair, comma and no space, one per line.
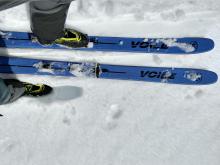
(188,45)
(187,76)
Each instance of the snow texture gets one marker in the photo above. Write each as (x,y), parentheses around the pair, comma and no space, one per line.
(41,68)
(85,69)
(172,43)
(106,122)
(192,75)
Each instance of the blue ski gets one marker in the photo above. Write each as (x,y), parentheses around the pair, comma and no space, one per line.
(188,45)
(186,76)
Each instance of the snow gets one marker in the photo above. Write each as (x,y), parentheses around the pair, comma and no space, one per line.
(84,69)
(106,122)
(183,46)
(39,66)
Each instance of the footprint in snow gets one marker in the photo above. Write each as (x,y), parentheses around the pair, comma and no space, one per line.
(7,145)
(114,112)
(157,59)
(111,119)
(174,15)
(69,112)
(199,93)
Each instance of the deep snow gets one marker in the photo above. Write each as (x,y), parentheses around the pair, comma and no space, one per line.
(105,122)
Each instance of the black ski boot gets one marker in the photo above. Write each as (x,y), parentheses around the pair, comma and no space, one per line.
(36,89)
(73,39)
(30,89)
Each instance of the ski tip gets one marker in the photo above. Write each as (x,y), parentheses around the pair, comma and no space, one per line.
(211,43)
(188,45)
(203,45)
(208,78)
(197,77)
(214,78)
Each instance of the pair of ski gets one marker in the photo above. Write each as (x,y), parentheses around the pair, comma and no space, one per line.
(188,76)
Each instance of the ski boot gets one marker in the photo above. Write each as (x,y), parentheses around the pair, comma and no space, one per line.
(29,89)
(73,39)
(36,90)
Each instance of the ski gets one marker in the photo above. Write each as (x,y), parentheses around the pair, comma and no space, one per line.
(185,76)
(187,45)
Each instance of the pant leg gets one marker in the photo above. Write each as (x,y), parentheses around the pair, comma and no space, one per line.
(10,3)
(16,93)
(48,19)
(4,92)
(9,93)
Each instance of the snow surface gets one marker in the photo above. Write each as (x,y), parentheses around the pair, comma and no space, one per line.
(105,122)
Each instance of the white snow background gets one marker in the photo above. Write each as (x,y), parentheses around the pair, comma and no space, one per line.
(107,122)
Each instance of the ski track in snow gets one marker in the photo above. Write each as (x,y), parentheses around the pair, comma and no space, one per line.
(106,122)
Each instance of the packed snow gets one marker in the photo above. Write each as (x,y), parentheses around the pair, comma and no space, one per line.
(183,46)
(110,122)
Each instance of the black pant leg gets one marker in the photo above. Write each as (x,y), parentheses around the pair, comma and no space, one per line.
(48,19)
